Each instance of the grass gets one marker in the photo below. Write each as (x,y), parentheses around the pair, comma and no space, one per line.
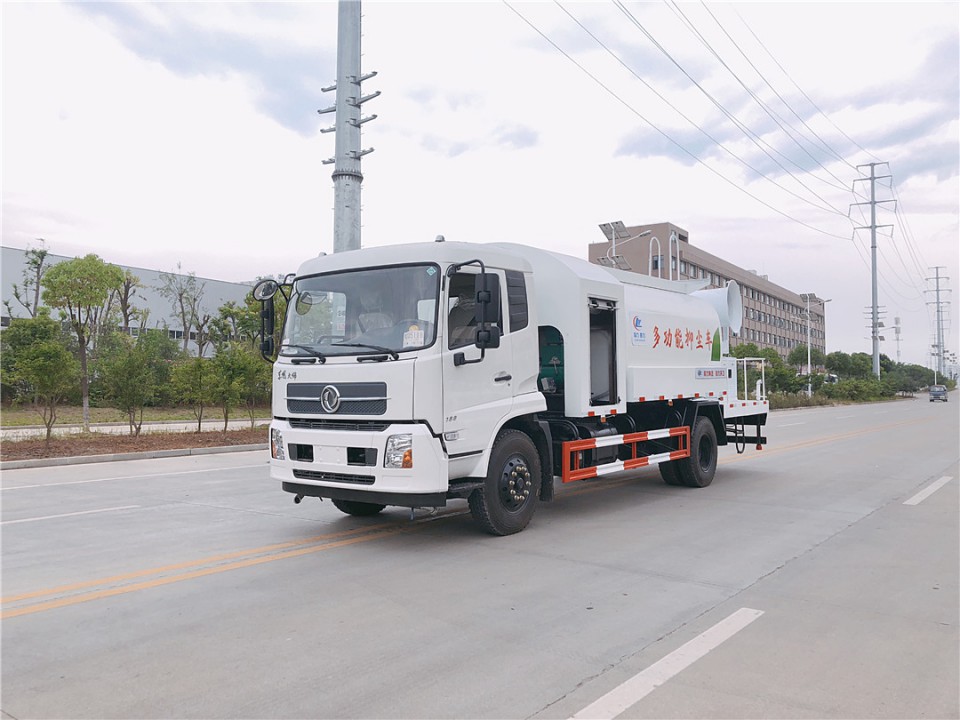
(18,416)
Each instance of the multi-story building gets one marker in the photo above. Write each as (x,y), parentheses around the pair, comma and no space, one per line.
(773,317)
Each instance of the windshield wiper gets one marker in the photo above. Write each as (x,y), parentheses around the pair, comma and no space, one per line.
(314,355)
(378,348)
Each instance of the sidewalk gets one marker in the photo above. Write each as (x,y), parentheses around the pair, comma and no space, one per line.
(122,428)
(25,432)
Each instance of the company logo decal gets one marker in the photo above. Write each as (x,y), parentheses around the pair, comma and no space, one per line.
(330,399)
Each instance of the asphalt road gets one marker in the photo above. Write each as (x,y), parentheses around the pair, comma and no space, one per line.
(817,578)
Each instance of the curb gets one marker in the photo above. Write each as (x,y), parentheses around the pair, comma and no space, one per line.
(148,455)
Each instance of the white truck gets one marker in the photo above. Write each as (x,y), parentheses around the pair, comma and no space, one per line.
(414,374)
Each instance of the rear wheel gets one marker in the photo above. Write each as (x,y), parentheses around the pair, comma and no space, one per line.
(698,469)
(511,489)
(670,472)
(359,509)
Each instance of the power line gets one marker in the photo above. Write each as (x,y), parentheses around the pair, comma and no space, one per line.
(753,137)
(661,132)
(793,82)
(763,106)
(706,134)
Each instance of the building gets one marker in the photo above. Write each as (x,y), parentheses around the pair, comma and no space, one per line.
(773,317)
(157,313)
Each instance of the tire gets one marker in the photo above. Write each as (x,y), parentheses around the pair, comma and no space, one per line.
(511,489)
(670,472)
(358,509)
(698,470)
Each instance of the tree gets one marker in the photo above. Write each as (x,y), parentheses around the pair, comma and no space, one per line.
(229,375)
(125,297)
(798,358)
(22,333)
(28,293)
(839,363)
(192,380)
(47,371)
(129,381)
(79,288)
(184,294)
(162,355)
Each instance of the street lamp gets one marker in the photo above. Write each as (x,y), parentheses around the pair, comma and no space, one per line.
(807,297)
(617,231)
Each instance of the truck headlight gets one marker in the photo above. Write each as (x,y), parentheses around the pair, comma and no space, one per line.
(276,445)
(399,452)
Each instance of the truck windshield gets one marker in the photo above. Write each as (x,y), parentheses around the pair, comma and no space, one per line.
(363,312)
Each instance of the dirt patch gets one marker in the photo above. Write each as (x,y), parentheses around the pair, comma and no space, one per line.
(109,444)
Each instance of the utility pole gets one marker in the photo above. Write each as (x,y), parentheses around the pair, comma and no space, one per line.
(939,303)
(346,173)
(875,327)
(896,332)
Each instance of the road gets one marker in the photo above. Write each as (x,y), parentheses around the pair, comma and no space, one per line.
(817,578)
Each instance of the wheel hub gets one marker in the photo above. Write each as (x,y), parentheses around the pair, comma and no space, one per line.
(515,483)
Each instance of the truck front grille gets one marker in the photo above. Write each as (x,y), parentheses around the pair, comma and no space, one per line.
(354,426)
(333,477)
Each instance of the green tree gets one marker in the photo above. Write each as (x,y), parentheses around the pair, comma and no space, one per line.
(192,379)
(162,354)
(14,340)
(229,378)
(798,358)
(129,381)
(839,363)
(47,372)
(79,288)
(861,366)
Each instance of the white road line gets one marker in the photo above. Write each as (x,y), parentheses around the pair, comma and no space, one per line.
(646,681)
(792,424)
(928,490)
(845,417)
(73,514)
(131,477)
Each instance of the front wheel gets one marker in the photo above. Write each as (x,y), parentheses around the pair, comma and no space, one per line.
(508,499)
(698,469)
(358,509)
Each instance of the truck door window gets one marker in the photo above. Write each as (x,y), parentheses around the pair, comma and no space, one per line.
(462,310)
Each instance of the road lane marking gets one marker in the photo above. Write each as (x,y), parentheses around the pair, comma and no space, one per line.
(646,681)
(792,424)
(206,566)
(133,477)
(73,514)
(844,417)
(928,490)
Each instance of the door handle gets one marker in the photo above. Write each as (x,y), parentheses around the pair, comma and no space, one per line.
(503,378)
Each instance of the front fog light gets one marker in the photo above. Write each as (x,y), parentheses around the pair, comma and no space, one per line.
(276,445)
(399,452)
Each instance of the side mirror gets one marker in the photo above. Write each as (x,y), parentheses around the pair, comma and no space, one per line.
(487,289)
(266,347)
(265,290)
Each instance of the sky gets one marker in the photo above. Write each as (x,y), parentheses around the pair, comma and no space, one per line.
(187,133)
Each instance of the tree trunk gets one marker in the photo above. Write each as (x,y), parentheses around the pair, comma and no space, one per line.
(84,381)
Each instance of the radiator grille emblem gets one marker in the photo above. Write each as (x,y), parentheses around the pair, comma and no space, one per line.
(330,399)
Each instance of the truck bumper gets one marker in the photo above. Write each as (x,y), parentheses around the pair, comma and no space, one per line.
(349,465)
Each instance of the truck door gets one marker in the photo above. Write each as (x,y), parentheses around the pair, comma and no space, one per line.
(476,395)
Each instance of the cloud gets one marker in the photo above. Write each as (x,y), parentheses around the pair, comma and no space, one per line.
(284,76)
(516,136)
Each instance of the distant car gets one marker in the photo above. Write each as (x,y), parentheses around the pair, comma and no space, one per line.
(938,392)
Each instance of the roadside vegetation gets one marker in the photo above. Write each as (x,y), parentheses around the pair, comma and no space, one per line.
(97,360)
(843,378)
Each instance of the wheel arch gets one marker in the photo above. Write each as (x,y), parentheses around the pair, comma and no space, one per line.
(539,432)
